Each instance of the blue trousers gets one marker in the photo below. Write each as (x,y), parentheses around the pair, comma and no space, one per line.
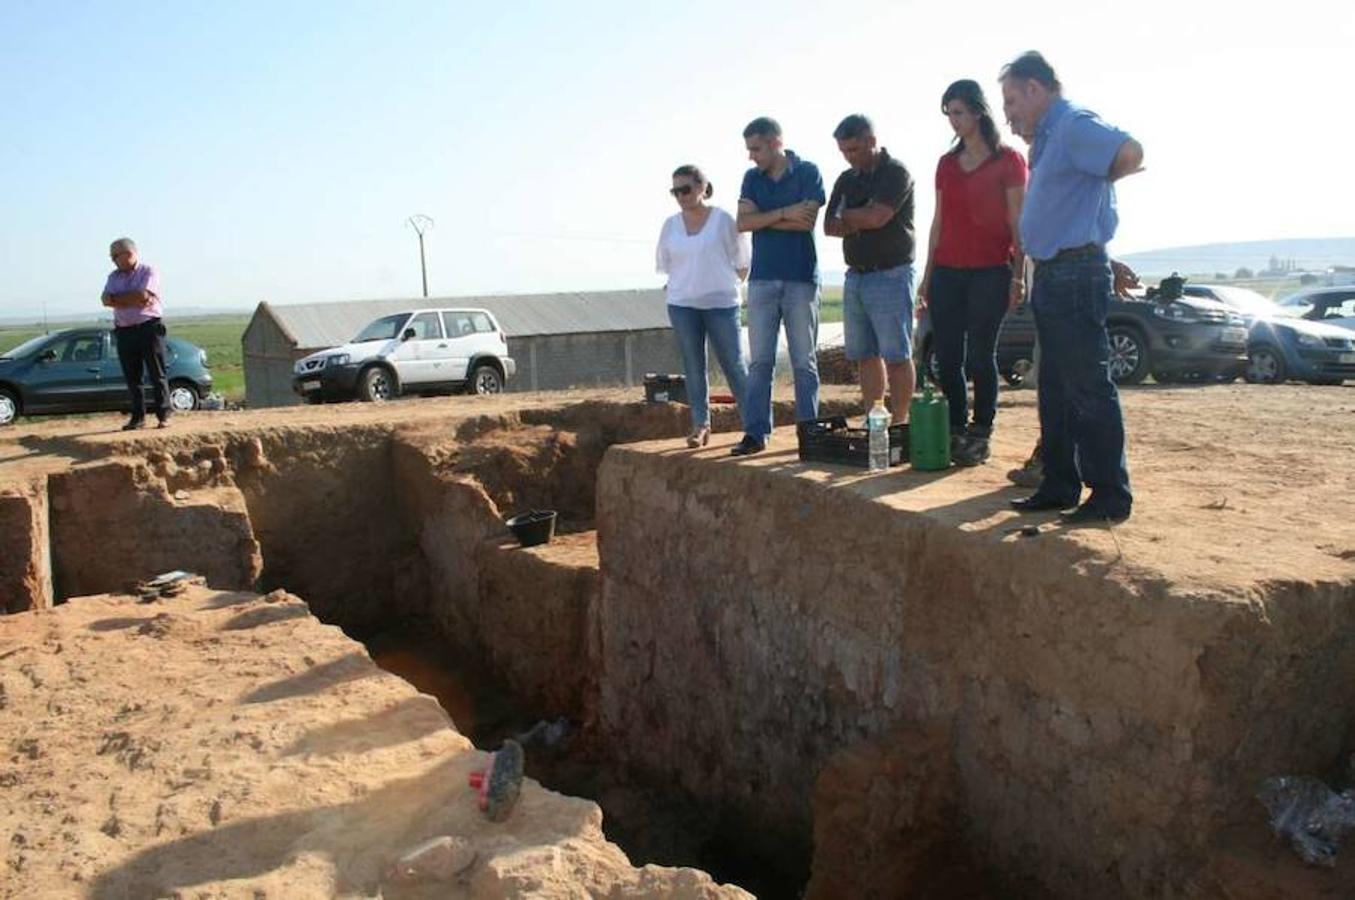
(693,326)
(1081,425)
(771,304)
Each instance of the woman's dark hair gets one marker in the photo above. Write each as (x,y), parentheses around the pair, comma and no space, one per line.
(970,94)
(696,175)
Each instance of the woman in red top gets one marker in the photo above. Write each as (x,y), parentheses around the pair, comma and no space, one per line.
(975,268)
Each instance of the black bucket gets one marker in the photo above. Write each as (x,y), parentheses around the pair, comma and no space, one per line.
(532,528)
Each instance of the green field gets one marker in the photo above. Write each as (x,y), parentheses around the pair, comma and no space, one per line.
(218,335)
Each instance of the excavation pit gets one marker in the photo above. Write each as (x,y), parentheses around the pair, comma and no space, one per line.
(796,677)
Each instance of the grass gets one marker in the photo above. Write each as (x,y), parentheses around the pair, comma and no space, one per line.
(218,335)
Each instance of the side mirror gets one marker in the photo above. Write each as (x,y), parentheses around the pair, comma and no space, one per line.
(47,356)
(409,333)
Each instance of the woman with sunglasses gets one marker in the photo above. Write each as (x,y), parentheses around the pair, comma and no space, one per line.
(975,267)
(705,257)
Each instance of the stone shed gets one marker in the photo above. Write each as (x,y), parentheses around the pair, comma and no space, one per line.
(588,339)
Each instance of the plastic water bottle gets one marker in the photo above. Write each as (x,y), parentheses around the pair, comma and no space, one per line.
(877,425)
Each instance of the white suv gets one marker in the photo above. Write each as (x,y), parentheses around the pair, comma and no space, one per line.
(422,351)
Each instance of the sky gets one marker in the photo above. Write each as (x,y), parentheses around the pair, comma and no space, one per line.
(273,151)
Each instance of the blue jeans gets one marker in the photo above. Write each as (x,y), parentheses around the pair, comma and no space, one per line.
(1081,426)
(692,327)
(769,304)
(877,314)
(967,308)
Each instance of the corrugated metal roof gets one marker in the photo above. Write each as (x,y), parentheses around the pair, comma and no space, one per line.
(318,325)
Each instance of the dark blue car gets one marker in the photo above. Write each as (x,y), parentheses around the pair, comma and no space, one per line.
(77,370)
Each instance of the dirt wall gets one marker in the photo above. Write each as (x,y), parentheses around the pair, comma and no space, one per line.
(25,560)
(323,505)
(1103,727)
(539,619)
(118,522)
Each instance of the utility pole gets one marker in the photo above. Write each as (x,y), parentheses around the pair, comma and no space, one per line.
(421,223)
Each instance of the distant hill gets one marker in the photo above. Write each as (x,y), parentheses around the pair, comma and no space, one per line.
(1307,254)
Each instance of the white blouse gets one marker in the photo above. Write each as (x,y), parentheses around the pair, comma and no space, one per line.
(702,267)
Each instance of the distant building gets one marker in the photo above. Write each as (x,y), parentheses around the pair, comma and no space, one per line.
(588,339)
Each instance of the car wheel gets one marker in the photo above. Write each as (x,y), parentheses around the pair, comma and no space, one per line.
(486,380)
(183,396)
(1128,355)
(9,407)
(377,385)
(1265,365)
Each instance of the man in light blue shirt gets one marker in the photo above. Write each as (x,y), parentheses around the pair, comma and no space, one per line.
(1068,218)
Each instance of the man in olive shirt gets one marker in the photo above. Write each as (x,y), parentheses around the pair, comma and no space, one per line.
(871,209)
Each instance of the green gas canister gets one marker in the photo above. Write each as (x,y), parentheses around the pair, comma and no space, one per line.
(929,431)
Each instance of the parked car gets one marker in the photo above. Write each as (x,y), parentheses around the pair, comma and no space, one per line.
(1298,340)
(1174,339)
(416,352)
(1333,305)
(77,370)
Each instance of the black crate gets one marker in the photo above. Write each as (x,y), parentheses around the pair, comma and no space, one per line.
(831,440)
(665,388)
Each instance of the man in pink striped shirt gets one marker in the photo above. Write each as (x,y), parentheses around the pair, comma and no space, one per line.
(133,293)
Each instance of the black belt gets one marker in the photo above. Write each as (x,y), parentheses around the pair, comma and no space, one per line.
(154,321)
(1074,253)
(866,270)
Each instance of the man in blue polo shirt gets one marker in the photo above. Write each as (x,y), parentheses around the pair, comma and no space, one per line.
(779,203)
(1066,221)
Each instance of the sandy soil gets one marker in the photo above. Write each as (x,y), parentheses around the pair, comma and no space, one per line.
(227,745)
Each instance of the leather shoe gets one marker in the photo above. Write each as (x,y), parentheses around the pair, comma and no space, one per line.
(1037,503)
(1087,514)
(748,446)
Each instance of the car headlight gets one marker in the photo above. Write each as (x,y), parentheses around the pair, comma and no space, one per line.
(202,355)
(1175,313)
(1308,340)
(338,359)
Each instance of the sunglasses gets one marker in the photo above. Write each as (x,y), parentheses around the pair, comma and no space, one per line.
(681,190)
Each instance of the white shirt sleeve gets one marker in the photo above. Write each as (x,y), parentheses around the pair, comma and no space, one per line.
(662,264)
(737,245)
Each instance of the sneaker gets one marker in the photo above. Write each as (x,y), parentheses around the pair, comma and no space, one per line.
(974,451)
(748,446)
(134,425)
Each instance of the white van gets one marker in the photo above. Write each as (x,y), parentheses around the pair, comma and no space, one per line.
(421,351)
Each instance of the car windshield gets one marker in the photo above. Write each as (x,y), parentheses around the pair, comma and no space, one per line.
(383,329)
(1249,302)
(25,348)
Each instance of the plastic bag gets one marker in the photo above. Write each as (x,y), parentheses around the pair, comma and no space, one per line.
(1311,815)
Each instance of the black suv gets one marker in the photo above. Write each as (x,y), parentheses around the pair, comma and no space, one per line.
(1174,338)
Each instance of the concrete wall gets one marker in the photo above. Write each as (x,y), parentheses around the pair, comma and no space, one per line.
(268,358)
(545,362)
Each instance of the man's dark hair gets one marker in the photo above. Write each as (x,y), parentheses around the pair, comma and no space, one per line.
(1031,65)
(764,127)
(852,127)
